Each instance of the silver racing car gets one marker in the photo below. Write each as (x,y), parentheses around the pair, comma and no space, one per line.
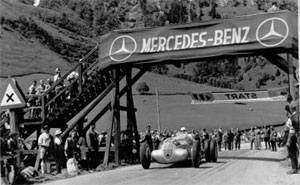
(178,149)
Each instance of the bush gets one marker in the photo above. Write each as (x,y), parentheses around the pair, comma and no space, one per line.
(142,87)
(278,73)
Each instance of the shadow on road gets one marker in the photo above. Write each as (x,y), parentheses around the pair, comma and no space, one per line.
(185,164)
(253,158)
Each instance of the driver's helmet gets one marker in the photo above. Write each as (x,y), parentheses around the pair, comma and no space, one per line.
(183,129)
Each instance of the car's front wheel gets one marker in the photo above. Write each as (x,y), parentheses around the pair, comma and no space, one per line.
(145,155)
(213,151)
(206,150)
(195,153)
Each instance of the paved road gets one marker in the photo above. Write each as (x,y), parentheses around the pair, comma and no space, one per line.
(249,167)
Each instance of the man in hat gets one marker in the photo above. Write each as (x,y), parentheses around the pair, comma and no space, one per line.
(58,150)
(292,146)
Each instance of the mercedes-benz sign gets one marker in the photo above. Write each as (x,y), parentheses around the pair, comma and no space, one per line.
(272,32)
(122,48)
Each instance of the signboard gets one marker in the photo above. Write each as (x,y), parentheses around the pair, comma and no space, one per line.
(233,96)
(238,36)
(11,96)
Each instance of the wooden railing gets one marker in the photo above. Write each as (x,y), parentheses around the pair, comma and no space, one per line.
(51,96)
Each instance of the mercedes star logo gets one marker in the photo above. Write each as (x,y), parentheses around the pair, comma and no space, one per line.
(272,32)
(122,48)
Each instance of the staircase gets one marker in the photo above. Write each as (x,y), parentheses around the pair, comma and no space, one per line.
(61,103)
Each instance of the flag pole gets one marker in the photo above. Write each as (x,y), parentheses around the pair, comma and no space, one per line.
(158,110)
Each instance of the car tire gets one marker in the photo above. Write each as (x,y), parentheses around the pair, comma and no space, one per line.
(213,151)
(207,150)
(195,153)
(145,155)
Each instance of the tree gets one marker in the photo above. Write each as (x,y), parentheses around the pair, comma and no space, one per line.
(142,87)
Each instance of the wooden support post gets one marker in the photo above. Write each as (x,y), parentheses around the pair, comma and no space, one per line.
(43,111)
(15,119)
(117,126)
(80,78)
(291,74)
(109,134)
(131,119)
(114,130)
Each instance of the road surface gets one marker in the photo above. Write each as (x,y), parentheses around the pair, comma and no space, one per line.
(243,167)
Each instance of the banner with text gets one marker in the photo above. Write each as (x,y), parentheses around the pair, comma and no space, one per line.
(233,96)
(237,36)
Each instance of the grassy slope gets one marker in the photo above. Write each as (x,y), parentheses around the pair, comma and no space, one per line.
(24,55)
(21,55)
(177,111)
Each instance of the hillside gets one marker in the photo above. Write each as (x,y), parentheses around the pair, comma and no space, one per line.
(30,45)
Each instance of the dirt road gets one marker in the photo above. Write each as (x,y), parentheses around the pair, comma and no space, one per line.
(243,167)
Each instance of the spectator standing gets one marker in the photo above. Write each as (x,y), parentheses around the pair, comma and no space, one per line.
(148,137)
(225,139)
(12,142)
(230,139)
(57,75)
(4,145)
(32,88)
(273,138)
(71,146)
(41,88)
(32,100)
(220,138)
(44,142)
(238,135)
(58,151)
(102,139)
(128,138)
(205,134)
(83,164)
(292,146)
(56,78)
(73,84)
(93,147)
(279,137)
(49,84)
(257,138)
(267,133)
(274,8)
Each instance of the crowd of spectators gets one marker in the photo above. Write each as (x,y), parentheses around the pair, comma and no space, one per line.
(263,137)
(82,147)
(35,90)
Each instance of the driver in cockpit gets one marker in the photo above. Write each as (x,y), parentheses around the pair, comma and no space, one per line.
(182,133)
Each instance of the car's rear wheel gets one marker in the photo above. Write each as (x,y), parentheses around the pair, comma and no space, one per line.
(145,155)
(195,153)
(213,151)
(206,150)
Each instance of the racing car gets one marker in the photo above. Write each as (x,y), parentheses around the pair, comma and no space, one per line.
(178,149)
